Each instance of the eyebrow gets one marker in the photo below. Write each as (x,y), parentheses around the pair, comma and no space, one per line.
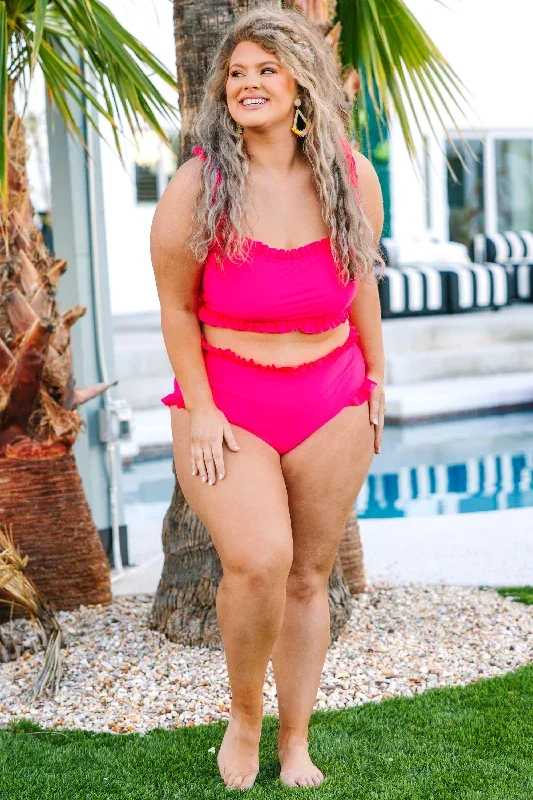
(259,64)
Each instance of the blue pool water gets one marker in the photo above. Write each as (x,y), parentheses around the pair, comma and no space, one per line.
(478,464)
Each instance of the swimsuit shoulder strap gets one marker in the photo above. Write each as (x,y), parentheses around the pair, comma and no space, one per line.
(200,152)
(351,163)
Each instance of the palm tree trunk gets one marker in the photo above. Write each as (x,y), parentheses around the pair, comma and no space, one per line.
(44,505)
(41,492)
(351,555)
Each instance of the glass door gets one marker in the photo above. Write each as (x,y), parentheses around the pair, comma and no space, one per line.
(513,161)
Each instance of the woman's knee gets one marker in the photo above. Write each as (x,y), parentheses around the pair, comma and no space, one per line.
(305,583)
(262,568)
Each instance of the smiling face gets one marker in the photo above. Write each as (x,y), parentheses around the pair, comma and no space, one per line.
(259,91)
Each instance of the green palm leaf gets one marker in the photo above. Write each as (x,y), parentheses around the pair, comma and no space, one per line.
(401,66)
(86,57)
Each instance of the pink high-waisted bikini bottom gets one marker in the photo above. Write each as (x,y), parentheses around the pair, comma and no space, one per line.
(283,405)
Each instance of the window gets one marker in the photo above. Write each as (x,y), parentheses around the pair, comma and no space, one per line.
(146,183)
(495,189)
(466,199)
(514,184)
(155,164)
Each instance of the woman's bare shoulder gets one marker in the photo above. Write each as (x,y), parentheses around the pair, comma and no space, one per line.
(174,211)
(365,169)
(370,191)
(184,184)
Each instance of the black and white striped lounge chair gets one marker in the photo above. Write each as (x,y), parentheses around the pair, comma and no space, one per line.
(513,249)
(447,288)
(471,287)
(412,291)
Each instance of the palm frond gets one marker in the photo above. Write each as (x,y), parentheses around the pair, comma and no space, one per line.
(39,13)
(402,67)
(88,58)
(22,592)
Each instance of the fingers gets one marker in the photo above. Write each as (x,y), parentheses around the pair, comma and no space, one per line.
(374,409)
(377,417)
(207,460)
(210,464)
(198,462)
(377,439)
(231,441)
(378,430)
(218,459)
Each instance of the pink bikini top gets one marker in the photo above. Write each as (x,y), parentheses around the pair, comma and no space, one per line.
(276,290)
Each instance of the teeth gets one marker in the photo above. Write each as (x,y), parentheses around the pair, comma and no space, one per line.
(253,102)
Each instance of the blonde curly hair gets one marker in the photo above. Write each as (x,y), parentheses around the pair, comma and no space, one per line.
(221,205)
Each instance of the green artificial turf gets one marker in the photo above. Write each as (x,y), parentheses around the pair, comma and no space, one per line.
(522,594)
(459,743)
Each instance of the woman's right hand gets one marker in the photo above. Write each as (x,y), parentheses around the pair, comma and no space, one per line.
(209,428)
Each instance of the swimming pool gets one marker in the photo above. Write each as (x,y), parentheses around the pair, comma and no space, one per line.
(459,466)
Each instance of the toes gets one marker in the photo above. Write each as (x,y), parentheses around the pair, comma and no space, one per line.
(302,780)
(237,782)
(287,781)
(228,779)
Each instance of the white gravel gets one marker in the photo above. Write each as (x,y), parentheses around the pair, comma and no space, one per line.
(120,676)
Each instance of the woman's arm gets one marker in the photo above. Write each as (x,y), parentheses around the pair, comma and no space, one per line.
(366,307)
(178,275)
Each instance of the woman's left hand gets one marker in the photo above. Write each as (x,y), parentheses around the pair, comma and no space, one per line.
(377,410)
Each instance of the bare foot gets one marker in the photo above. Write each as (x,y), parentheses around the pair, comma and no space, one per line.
(238,756)
(297,769)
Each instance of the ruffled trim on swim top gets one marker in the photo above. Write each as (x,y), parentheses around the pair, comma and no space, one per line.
(294,253)
(319,324)
(233,356)
(364,392)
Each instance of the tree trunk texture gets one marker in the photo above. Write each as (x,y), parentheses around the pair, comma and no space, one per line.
(185,605)
(351,556)
(43,501)
(40,489)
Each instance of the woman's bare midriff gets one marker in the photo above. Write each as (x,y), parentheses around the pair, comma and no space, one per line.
(281,349)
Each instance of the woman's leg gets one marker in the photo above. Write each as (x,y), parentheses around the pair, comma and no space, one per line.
(323,475)
(247,516)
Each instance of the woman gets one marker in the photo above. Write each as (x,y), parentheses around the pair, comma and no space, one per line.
(264,248)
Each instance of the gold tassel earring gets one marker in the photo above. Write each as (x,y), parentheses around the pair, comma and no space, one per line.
(299,131)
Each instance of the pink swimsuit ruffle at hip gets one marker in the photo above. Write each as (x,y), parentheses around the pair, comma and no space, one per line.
(284,405)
